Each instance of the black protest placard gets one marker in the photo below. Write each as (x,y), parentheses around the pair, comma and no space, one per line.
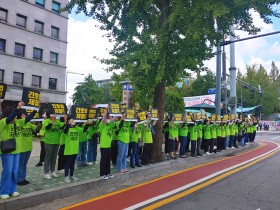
(115,109)
(142,117)
(31,98)
(37,117)
(130,115)
(79,114)
(59,109)
(3,89)
(154,114)
(123,107)
(92,113)
(100,112)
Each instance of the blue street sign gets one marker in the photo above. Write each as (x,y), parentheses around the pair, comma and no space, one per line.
(212,91)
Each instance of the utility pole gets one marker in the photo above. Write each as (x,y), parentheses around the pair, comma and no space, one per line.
(218,81)
(232,70)
(224,81)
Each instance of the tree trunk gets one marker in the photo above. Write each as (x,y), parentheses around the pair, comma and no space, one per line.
(159,103)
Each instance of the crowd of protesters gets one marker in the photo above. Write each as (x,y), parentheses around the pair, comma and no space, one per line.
(65,143)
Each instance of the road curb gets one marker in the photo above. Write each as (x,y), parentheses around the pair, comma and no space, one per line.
(44,196)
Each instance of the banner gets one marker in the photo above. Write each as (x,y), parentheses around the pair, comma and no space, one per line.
(178,117)
(115,109)
(130,115)
(31,98)
(3,89)
(38,116)
(207,99)
(92,113)
(79,114)
(59,109)
(154,114)
(100,112)
(142,117)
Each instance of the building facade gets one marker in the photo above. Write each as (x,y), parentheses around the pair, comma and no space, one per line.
(33,45)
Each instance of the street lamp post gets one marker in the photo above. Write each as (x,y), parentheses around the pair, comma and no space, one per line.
(66,80)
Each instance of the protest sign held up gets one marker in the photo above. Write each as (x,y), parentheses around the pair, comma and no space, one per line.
(31,98)
(79,114)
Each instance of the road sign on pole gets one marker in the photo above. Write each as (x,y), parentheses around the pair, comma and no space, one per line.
(212,91)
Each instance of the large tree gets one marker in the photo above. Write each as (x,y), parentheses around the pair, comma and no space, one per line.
(156,40)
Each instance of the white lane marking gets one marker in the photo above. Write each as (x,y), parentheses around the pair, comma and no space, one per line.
(276,137)
(196,182)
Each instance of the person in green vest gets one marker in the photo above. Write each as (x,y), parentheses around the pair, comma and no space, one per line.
(123,129)
(114,146)
(135,135)
(52,128)
(227,134)
(213,141)
(183,133)
(42,143)
(26,137)
(172,127)
(232,133)
(92,141)
(166,135)
(82,155)
(219,136)
(148,141)
(199,138)
(206,135)
(223,134)
(250,132)
(61,158)
(106,128)
(9,129)
(71,149)
(193,136)
(255,123)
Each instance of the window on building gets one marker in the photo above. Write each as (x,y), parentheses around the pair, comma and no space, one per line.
(37,54)
(53,57)
(54,32)
(36,81)
(2,45)
(40,3)
(18,79)
(1,75)
(39,27)
(52,83)
(19,49)
(55,7)
(3,14)
(21,21)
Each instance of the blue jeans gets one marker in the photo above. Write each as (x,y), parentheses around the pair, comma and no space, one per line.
(226,141)
(81,158)
(92,150)
(231,140)
(246,138)
(9,174)
(122,153)
(134,157)
(183,142)
(23,159)
(242,142)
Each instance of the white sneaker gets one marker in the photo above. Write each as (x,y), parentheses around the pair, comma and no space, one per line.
(90,163)
(96,162)
(48,176)
(15,194)
(60,171)
(104,177)
(110,176)
(4,197)
(55,175)
(74,178)
(207,153)
(67,180)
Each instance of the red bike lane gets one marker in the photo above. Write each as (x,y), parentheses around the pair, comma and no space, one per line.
(133,195)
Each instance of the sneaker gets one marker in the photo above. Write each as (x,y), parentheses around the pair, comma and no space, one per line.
(104,177)
(110,176)
(48,176)
(74,178)
(132,166)
(55,175)
(90,163)
(15,194)
(39,164)
(67,180)
(60,171)
(96,162)
(4,197)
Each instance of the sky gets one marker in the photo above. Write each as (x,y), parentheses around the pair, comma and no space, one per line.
(85,40)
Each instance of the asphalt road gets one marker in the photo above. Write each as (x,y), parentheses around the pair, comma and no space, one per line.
(256,187)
